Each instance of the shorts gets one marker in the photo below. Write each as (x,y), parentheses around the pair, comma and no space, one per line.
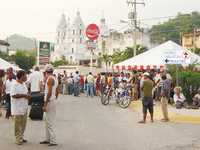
(147,103)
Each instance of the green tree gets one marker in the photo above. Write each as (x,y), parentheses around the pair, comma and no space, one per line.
(127,53)
(106,59)
(196,51)
(172,29)
(25,60)
(60,62)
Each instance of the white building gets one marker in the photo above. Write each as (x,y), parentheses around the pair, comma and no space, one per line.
(118,41)
(71,41)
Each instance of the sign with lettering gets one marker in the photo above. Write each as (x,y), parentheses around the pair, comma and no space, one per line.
(44,53)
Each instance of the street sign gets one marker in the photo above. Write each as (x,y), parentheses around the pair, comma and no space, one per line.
(44,53)
(92,31)
(91,45)
(173,57)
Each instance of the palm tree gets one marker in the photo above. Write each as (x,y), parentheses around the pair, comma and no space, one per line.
(107,59)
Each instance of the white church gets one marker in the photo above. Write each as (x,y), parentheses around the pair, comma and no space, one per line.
(71,41)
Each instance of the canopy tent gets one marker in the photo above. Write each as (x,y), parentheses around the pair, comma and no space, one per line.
(5,65)
(166,53)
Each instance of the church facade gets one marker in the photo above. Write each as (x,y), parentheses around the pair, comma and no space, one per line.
(71,41)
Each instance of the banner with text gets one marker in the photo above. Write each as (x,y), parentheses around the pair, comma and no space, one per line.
(44,52)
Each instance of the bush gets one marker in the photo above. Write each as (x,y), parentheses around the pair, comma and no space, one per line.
(190,82)
(60,63)
(188,79)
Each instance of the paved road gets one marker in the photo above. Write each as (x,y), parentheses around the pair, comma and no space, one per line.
(84,124)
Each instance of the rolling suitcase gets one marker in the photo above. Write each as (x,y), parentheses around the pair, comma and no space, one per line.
(36,97)
(36,112)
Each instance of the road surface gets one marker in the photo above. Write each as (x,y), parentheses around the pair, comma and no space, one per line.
(84,124)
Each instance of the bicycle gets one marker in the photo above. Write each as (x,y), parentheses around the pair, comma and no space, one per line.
(122,98)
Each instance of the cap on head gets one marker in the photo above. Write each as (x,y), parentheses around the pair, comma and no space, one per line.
(146,74)
(49,68)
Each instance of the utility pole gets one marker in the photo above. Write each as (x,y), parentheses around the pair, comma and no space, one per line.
(194,39)
(133,19)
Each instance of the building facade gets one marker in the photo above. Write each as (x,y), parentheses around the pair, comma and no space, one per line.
(71,41)
(118,41)
(191,40)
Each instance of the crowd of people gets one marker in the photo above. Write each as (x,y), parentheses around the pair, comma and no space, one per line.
(92,85)
(17,88)
(149,86)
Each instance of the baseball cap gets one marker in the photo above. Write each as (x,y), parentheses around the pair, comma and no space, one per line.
(49,67)
(146,74)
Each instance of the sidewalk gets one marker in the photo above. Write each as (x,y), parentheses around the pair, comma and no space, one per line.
(176,115)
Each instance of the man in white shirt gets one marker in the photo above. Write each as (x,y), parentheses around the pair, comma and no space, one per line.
(19,106)
(51,94)
(35,80)
(7,87)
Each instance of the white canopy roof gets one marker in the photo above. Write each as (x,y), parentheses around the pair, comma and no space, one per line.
(5,65)
(166,53)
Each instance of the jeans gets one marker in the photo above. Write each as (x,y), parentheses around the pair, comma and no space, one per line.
(8,105)
(90,89)
(76,89)
(70,89)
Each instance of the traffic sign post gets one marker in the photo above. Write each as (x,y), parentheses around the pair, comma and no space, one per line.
(92,32)
(177,58)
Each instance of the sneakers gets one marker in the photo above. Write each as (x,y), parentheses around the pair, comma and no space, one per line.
(44,142)
(49,144)
(24,141)
(21,142)
(52,144)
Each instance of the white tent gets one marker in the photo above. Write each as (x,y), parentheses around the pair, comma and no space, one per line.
(5,65)
(158,57)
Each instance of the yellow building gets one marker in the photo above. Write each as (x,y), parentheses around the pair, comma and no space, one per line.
(191,40)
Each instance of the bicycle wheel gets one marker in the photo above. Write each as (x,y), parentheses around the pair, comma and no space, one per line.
(124,102)
(105,98)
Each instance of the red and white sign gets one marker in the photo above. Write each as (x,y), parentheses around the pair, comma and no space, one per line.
(91,45)
(92,31)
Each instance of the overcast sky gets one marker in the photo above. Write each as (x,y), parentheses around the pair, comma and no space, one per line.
(39,18)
